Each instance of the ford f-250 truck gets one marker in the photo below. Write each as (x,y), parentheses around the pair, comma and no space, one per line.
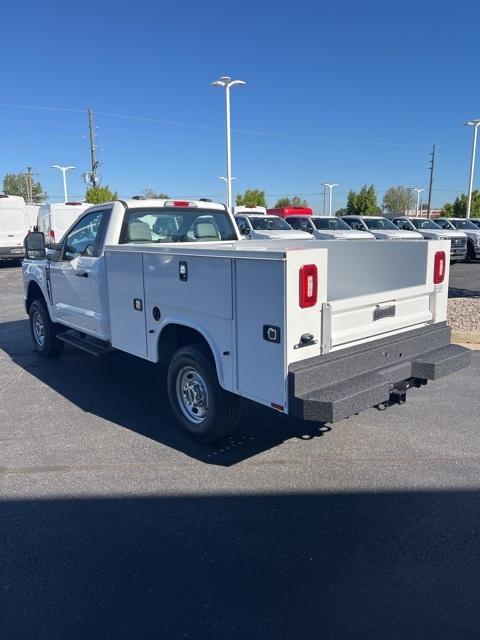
(316,329)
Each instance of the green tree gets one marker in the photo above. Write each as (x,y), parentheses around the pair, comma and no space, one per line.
(96,195)
(363,203)
(295,201)
(459,207)
(251,198)
(447,210)
(150,193)
(398,199)
(15,184)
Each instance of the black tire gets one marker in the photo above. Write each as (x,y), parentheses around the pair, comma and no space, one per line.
(50,346)
(470,252)
(218,411)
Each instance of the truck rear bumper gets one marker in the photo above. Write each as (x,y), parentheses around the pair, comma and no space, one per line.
(337,385)
(12,253)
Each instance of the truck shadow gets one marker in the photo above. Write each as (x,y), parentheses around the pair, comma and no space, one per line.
(336,566)
(131,392)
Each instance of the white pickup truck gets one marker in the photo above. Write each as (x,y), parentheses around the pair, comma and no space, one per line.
(316,329)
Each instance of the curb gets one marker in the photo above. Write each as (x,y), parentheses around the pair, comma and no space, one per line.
(466,337)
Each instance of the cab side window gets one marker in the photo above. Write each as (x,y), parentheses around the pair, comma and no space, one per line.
(355,224)
(85,239)
(242,224)
(402,224)
(305,225)
(294,222)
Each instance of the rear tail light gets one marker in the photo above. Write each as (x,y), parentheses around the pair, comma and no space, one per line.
(439,267)
(308,289)
(51,234)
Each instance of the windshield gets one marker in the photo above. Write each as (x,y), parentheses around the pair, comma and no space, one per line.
(379,223)
(464,224)
(269,223)
(333,224)
(176,225)
(424,224)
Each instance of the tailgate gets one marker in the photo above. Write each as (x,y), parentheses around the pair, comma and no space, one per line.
(393,287)
(374,315)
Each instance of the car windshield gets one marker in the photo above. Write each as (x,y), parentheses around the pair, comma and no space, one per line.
(176,225)
(424,224)
(379,223)
(445,224)
(464,224)
(333,224)
(269,223)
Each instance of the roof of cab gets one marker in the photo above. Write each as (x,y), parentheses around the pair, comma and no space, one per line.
(134,203)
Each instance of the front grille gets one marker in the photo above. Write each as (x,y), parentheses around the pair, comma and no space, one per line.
(459,242)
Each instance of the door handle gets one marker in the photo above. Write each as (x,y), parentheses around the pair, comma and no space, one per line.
(81,274)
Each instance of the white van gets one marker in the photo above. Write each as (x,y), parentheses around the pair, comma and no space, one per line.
(54,219)
(32,214)
(14,226)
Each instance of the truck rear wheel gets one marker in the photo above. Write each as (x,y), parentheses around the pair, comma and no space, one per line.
(198,402)
(44,331)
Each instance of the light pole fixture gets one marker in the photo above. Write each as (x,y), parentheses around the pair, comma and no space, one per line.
(226,181)
(64,172)
(474,124)
(330,186)
(419,191)
(226,82)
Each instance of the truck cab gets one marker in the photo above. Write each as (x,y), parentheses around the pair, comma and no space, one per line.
(14,226)
(267,227)
(327,228)
(380,227)
(432,231)
(469,229)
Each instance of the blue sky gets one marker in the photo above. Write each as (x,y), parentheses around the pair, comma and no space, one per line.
(347,92)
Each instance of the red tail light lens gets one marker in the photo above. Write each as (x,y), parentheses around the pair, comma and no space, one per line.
(308,289)
(439,267)
(51,233)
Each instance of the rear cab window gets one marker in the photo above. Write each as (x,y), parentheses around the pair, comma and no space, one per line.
(164,224)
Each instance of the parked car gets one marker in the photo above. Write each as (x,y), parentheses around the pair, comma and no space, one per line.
(382,228)
(318,332)
(263,227)
(471,231)
(14,226)
(54,219)
(327,228)
(248,210)
(432,231)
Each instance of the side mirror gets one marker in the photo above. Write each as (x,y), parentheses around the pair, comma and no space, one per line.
(34,244)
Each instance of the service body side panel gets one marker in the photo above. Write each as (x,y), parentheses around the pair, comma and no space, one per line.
(201,299)
(260,302)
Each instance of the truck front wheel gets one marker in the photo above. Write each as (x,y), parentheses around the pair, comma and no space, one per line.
(44,331)
(198,402)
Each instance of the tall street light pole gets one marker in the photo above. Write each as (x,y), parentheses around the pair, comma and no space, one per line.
(226,82)
(474,124)
(419,191)
(64,172)
(330,186)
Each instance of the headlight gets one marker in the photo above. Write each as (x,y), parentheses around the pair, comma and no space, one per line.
(478,241)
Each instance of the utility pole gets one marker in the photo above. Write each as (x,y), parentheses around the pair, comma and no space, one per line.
(432,169)
(93,161)
(29,184)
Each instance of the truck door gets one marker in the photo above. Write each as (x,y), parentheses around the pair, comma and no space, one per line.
(78,280)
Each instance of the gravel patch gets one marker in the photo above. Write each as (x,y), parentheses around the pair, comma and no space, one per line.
(464,314)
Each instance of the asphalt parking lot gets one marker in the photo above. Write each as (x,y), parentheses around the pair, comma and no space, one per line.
(114,524)
(465,280)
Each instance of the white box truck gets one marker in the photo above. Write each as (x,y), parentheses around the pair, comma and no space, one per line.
(316,329)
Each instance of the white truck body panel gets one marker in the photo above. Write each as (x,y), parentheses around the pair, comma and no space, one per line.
(14,226)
